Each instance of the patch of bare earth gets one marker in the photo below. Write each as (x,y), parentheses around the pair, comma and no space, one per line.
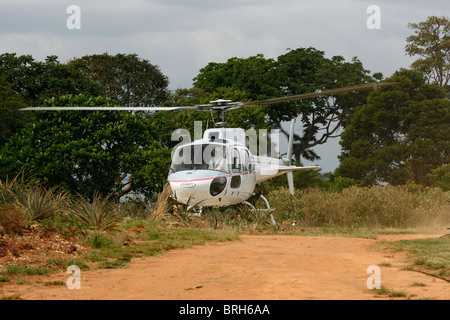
(34,247)
(256,267)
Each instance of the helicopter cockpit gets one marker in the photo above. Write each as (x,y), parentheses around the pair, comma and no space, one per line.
(200,157)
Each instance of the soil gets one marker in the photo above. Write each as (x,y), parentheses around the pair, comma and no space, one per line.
(255,267)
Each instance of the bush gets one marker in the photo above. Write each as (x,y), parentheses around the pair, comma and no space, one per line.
(98,214)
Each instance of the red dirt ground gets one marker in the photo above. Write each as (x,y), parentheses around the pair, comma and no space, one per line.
(255,267)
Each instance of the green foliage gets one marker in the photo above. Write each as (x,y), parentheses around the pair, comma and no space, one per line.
(253,75)
(12,269)
(132,81)
(440,177)
(98,214)
(11,119)
(298,71)
(399,135)
(427,254)
(87,153)
(38,203)
(36,81)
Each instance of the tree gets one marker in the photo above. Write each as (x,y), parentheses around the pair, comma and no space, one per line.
(109,153)
(431,42)
(11,119)
(307,70)
(298,71)
(36,81)
(254,75)
(400,135)
(132,81)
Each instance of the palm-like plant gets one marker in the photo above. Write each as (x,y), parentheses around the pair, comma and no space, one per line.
(98,214)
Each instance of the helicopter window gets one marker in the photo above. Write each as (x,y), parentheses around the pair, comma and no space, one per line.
(199,157)
(246,162)
(235,181)
(236,167)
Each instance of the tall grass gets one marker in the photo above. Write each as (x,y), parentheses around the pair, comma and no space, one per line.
(364,207)
(353,207)
(162,205)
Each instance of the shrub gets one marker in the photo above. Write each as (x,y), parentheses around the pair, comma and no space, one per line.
(98,214)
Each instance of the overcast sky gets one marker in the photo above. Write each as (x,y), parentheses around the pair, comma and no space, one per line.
(182,36)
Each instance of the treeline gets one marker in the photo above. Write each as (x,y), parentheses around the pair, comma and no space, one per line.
(398,134)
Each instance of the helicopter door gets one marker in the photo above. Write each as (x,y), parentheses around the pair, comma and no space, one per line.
(248,177)
(235,168)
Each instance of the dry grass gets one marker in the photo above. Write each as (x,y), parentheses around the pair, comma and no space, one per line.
(162,205)
(385,207)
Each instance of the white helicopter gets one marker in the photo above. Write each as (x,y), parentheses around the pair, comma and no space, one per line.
(219,170)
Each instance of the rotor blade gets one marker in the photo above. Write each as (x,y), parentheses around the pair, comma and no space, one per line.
(321,93)
(83,108)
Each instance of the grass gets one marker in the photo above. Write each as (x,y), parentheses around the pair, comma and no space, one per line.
(431,256)
(12,269)
(356,207)
(393,293)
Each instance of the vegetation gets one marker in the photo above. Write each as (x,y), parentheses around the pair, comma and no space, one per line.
(400,135)
(298,71)
(430,256)
(431,42)
(109,153)
(64,175)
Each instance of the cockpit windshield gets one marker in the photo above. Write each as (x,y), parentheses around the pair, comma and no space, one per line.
(200,157)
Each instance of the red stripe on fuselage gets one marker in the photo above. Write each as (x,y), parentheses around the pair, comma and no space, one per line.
(212,178)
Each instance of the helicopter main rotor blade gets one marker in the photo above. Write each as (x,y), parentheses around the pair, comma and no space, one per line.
(321,93)
(83,108)
(219,105)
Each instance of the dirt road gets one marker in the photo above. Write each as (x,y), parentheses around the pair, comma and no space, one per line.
(254,267)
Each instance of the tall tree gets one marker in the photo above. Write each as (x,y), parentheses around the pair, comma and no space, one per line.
(132,81)
(431,42)
(307,70)
(399,135)
(298,71)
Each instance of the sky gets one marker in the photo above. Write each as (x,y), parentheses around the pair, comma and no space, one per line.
(183,36)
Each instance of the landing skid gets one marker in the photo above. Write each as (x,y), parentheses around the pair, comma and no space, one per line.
(252,208)
(268,209)
(197,210)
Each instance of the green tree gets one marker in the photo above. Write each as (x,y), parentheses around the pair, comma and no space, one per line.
(298,71)
(431,42)
(399,135)
(11,119)
(307,70)
(36,81)
(109,153)
(132,81)
(254,75)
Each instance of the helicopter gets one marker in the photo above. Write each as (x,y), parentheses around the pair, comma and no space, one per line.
(219,170)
